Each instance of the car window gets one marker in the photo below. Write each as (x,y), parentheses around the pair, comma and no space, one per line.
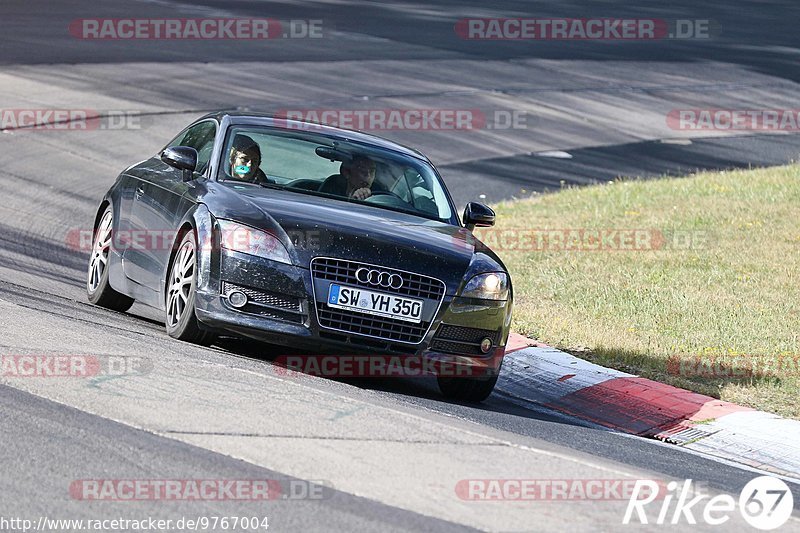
(313,163)
(290,159)
(201,138)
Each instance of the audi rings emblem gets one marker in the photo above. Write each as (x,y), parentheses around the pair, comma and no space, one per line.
(379,278)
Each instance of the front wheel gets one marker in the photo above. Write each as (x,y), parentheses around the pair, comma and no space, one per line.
(181,320)
(466,389)
(98,289)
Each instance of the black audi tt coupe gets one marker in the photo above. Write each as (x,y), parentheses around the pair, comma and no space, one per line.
(306,236)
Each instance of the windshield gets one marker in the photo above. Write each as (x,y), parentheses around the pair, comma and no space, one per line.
(315,164)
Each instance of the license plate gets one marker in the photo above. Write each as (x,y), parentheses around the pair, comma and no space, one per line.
(374,303)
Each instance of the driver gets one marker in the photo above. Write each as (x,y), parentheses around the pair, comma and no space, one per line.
(245,159)
(355,179)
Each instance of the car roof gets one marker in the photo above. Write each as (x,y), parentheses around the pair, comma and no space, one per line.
(267,119)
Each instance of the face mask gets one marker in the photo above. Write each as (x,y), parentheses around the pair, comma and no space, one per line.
(241,170)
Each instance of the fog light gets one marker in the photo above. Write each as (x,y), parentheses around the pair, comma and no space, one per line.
(486,345)
(237,299)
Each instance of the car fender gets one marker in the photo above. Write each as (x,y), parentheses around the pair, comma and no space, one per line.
(116,275)
(199,220)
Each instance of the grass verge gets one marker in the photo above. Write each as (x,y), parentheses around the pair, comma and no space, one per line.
(690,281)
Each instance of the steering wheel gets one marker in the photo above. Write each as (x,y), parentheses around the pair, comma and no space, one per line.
(387,193)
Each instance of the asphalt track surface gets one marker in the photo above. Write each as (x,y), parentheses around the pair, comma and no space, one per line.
(391,451)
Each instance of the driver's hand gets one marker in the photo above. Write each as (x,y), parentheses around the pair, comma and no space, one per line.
(361,194)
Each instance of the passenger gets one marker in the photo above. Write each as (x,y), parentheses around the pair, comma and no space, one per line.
(245,160)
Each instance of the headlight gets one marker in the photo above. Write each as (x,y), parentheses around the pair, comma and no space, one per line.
(491,286)
(241,238)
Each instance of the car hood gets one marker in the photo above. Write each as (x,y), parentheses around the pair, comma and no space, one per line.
(314,226)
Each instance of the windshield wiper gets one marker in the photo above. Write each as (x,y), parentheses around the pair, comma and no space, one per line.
(271,185)
(415,212)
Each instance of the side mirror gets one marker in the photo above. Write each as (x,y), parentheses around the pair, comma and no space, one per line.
(478,215)
(183,158)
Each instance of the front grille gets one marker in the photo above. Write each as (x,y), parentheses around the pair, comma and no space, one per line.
(342,271)
(272,313)
(461,340)
(383,346)
(456,347)
(269,299)
(373,326)
(462,334)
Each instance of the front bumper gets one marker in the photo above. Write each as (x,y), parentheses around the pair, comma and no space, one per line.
(287,316)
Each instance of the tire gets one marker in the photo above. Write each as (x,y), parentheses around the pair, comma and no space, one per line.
(98,289)
(181,286)
(473,390)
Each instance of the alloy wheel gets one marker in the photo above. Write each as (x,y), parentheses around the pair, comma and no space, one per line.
(181,279)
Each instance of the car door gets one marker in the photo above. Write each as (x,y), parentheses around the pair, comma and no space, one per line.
(159,203)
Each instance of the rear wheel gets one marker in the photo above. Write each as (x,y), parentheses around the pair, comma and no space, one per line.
(98,288)
(181,320)
(466,389)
